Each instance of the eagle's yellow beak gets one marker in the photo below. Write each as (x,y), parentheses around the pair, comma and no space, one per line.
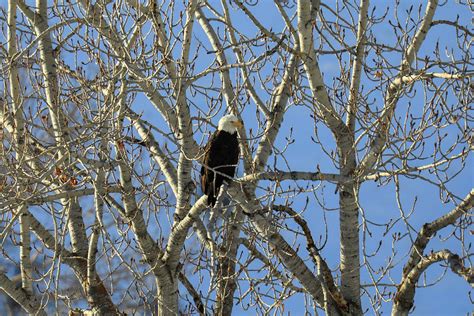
(238,124)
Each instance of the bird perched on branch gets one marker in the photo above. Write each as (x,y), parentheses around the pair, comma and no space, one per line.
(220,158)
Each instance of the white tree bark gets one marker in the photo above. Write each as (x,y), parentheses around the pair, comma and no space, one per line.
(395,88)
(29,302)
(417,262)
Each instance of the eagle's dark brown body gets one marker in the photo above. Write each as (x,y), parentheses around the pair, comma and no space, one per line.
(221,156)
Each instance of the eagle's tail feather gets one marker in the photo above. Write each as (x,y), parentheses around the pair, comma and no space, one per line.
(211,200)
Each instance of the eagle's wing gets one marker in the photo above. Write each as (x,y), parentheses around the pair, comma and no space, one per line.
(207,162)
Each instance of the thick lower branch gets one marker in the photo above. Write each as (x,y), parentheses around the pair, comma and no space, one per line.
(27,301)
(284,251)
(25,251)
(429,229)
(404,298)
(227,277)
(180,231)
(194,293)
(325,272)
(349,252)
(97,295)
(294,175)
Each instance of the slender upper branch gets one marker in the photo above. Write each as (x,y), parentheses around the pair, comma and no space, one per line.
(357,64)
(227,86)
(395,88)
(180,231)
(310,61)
(281,96)
(244,65)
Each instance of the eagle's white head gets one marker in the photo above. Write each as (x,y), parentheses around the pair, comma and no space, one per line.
(229,123)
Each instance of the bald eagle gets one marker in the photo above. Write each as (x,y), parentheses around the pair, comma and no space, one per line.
(220,158)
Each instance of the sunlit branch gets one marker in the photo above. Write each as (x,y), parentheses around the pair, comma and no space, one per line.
(30,303)
(394,91)
(375,174)
(273,271)
(357,65)
(325,272)
(262,29)
(227,85)
(284,251)
(193,292)
(406,290)
(58,196)
(178,235)
(429,229)
(294,175)
(280,99)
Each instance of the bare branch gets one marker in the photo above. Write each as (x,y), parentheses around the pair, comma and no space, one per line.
(403,300)
(28,302)
(395,88)
(357,64)
(191,290)
(294,175)
(429,229)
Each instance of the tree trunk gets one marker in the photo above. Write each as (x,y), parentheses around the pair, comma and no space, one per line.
(349,252)
(349,228)
(400,310)
(167,295)
(226,273)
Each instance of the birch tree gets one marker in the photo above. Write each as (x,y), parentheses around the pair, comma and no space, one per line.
(354,187)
